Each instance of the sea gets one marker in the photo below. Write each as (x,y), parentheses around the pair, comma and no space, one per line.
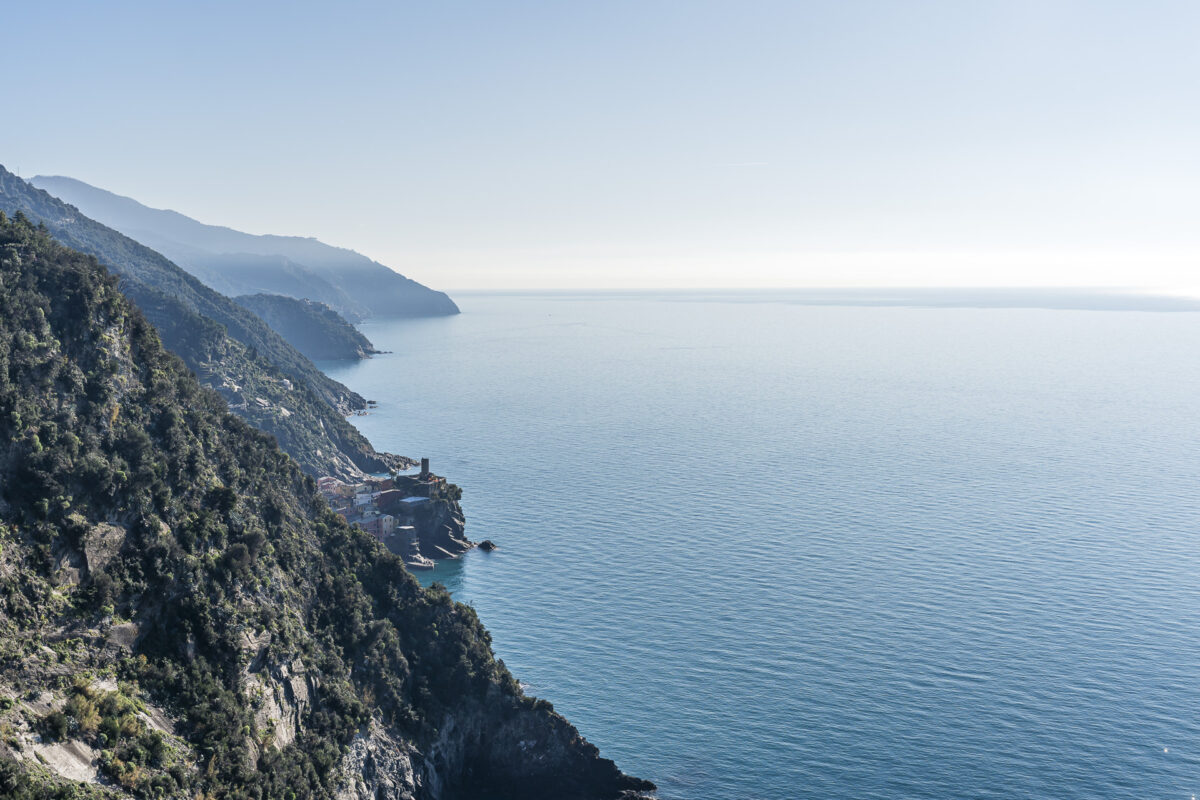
(784,545)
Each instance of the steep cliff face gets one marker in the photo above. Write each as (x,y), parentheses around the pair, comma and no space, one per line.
(485,750)
(181,615)
(473,756)
(439,528)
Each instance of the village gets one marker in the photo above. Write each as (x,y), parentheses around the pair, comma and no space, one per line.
(390,509)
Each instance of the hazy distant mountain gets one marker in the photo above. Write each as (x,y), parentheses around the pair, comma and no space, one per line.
(315,329)
(241,273)
(236,263)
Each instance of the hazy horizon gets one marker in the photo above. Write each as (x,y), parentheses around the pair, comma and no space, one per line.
(645,145)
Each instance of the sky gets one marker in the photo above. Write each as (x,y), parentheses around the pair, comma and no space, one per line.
(642,143)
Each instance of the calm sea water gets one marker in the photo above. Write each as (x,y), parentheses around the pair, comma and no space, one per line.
(770,550)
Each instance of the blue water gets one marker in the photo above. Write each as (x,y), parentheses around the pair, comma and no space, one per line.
(772,550)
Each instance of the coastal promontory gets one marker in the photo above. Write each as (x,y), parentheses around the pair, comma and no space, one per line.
(182,615)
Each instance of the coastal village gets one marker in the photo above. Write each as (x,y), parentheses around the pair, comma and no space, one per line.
(402,512)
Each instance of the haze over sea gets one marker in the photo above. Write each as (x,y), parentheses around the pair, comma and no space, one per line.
(770,546)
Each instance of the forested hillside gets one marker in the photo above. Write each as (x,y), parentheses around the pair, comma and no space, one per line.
(313,328)
(265,379)
(182,616)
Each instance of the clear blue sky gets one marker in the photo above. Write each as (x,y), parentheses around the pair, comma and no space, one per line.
(642,143)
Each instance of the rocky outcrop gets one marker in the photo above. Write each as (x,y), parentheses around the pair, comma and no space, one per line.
(281,697)
(501,747)
(101,545)
(73,760)
(439,525)
(441,531)
(535,752)
(378,766)
(313,328)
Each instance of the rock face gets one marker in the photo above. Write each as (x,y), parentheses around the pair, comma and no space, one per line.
(486,749)
(439,525)
(73,760)
(282,697)
(378,767)
(441,532)
(489,751)
(101,545)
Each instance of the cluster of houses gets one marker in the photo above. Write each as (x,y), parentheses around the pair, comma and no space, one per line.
(385,508)
(234,395)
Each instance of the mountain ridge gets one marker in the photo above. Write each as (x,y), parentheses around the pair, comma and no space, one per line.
(214,250)
(243,359)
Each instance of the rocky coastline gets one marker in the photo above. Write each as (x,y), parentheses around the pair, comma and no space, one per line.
(183,615)
(417,517)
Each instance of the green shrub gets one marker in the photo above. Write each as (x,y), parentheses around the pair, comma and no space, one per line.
(55,726)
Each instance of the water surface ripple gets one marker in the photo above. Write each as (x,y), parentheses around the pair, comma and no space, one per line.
(768,550)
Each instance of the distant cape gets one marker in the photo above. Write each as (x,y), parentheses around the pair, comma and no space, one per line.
(236,263)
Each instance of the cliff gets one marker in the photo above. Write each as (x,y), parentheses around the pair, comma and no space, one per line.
(436,519)
(182,616)
(313,328)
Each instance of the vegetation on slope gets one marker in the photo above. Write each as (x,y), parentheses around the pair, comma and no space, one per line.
(230,348)
(320,440)
(158,554)
(313,328)
(141,264)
